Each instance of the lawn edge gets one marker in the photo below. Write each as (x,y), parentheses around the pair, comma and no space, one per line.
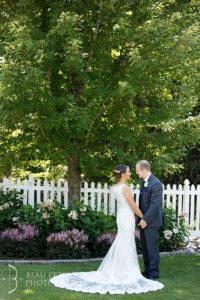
(87,260)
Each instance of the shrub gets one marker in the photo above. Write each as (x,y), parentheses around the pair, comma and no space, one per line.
(19,242)
(10,205)
(47,217)
(53,217)
(93,223)
(104,242)
(173,233)
(67,244)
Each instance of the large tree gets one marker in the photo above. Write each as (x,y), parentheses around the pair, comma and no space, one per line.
(91,83)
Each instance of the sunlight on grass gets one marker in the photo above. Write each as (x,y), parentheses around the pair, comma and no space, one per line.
(28,292)
(180,291)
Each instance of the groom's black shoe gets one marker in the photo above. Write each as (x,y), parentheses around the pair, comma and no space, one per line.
(145,274)
(153,277)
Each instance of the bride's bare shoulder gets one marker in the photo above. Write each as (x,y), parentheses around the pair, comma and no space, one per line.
(126,188)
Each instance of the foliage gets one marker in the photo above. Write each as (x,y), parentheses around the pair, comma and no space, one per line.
(88,83)
(67,244)
(92,222)
(10,205)
(52,218)
(20,242)
(103,243)
(174,232)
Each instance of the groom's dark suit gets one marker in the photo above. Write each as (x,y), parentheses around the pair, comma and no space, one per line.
(150,203)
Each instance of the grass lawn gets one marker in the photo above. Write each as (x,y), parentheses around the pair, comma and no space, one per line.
(179,274)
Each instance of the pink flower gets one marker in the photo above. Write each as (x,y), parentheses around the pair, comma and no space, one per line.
(72,238)
(106,238)
(22,233)
(137,234)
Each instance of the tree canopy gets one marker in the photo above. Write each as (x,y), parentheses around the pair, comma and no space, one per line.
(93,83)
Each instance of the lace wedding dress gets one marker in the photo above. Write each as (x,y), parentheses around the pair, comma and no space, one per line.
(119,271)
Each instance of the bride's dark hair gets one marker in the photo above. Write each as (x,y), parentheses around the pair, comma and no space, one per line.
(118,170)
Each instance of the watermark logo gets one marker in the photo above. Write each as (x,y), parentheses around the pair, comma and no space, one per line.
(32,279)
(12,279)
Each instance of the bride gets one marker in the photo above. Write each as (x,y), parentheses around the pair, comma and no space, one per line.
(119,271)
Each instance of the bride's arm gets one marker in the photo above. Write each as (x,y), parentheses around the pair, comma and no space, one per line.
(127,193)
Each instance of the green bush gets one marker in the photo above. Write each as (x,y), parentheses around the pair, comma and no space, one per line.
(10,205)
(15,249)
(173,233)
(92,222)
(52,217)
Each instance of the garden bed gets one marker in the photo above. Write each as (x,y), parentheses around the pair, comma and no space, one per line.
(51,231)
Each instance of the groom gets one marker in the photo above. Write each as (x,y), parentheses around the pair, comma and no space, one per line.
(150,203)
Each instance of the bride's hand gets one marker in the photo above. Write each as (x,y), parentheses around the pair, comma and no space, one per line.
(143,224)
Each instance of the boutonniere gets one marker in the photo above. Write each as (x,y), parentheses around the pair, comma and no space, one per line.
(146,184)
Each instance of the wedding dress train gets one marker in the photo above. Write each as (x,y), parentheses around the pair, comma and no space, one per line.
(119,271)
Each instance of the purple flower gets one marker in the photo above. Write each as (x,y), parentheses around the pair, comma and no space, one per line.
(21,233)
(137,233)
(72,238)
(107,238)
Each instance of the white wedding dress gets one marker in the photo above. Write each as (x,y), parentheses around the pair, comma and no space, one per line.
(119,271)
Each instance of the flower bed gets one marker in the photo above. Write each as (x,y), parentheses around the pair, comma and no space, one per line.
(67,244)
(57,230)
(19,242)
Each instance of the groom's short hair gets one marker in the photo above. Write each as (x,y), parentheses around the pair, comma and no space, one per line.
(144,164)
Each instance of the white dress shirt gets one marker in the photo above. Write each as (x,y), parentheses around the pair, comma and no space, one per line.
(146,179)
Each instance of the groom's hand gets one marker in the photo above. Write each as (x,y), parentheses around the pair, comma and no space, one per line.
(143,224)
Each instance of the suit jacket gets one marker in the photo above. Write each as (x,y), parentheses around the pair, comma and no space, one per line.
(151,202)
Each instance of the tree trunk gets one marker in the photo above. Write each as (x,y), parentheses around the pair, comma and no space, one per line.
(74,179)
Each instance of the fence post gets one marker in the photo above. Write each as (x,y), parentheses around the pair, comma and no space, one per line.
(4,184)
(66,194)
(31,191)
(112,202)
(186,199)
(198,209)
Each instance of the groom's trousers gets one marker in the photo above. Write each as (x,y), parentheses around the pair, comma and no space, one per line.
(150,250)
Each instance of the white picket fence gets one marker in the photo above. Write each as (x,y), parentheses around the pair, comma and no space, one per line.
(183,198)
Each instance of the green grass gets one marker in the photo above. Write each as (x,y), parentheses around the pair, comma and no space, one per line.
(179,274)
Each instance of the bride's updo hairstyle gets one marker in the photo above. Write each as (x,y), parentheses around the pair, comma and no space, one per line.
(118,170)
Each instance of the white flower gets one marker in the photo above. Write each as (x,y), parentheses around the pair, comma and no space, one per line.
(175,230)
(4,206)
(45,215)
(49,204)
(146,184)
(83,210)
(42,205)
(183,214)
(168,234)
(73,215)
(15,219)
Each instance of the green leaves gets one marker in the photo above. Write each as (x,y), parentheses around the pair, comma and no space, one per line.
(115,81)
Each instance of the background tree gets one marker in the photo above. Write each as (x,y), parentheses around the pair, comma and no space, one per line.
(93,83)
